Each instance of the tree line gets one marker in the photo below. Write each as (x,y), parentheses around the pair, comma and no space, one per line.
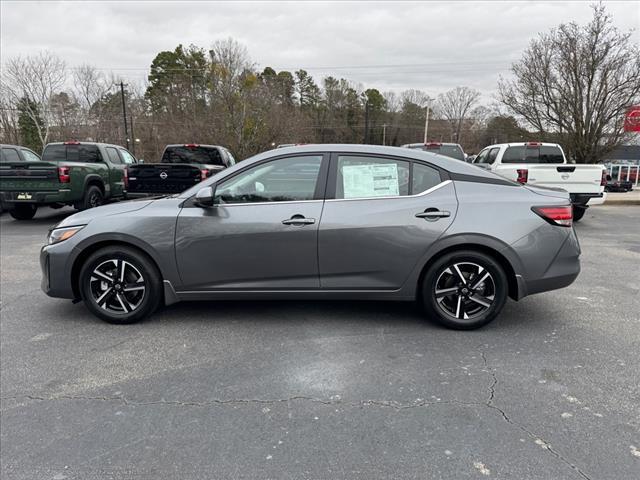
(572,85)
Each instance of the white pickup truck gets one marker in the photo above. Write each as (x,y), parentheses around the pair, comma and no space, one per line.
(544,165)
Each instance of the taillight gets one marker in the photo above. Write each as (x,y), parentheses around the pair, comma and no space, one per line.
(64,174)
(561,216)
(523,175)
(204,173)
(533,144)
(603,179)
(125,177)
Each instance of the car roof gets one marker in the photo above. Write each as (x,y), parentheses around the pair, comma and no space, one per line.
(446,163)
(84,143)
(422,144)
(522,144)
(192,144)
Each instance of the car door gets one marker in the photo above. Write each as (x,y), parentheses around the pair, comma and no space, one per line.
(116,172)
(380,217)
(262,232)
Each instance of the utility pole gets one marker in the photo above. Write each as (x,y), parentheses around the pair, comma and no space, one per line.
(133,136)
(124,114)
(384,134)
(426,125)
(366,122)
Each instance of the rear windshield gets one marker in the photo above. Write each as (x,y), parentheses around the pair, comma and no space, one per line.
(453,151)
(527,154)
(188,154)
(71,153)
(9,155)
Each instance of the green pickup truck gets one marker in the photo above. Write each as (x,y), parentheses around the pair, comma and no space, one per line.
(81,174)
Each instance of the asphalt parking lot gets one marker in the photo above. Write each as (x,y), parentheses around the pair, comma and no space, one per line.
(334,390)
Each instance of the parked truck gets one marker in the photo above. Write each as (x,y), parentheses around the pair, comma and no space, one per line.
(81,174)
(545,165)
(181,167)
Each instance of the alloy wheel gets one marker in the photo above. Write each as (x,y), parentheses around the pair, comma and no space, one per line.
(117,286)
(465,290)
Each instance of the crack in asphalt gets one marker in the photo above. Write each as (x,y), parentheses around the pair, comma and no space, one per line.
(489,403)
(546,445)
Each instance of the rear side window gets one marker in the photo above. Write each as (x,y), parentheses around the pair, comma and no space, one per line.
(370,177)
(72,153)
(526,154)
(192,154)
(10,155)
(424,178)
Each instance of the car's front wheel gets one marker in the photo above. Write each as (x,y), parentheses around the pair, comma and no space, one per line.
(464,290)
(120,285)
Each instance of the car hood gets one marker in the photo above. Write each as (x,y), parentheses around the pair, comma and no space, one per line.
(84,217)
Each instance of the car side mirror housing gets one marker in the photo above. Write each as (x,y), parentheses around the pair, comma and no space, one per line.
(205,197)
(141,160)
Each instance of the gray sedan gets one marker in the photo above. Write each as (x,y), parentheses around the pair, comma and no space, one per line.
(322,222)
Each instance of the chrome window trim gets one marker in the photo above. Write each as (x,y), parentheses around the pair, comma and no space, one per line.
(421,194)
(267,203)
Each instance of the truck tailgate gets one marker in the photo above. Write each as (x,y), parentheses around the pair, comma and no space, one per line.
(162,178)
(569,177)
(28,176)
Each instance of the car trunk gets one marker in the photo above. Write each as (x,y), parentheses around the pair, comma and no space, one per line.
(29,176)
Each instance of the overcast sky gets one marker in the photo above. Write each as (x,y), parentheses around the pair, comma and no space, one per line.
(431,46)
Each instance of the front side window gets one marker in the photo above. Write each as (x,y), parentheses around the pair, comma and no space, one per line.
(127,157)
(113,156)
(283,180)
(29,156)
(493,153)
(369,177)
(482,157)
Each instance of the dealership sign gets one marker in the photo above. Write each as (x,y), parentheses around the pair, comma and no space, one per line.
(632,119)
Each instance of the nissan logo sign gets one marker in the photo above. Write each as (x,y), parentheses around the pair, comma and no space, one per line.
(164,175)
(565,176)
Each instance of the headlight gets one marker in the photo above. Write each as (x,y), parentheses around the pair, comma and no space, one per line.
(58,235)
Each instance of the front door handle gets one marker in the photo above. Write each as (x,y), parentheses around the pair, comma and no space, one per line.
(299,220)
(433,214)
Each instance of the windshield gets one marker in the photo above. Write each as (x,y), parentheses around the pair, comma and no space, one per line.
(192,154)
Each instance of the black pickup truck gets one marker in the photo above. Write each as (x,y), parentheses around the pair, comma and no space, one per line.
(181,167)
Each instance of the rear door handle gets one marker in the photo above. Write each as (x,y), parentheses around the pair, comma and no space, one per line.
(299,220)
(433,214)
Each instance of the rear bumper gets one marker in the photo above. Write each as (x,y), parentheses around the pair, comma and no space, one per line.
(8,199)
(588,199)
(562,270)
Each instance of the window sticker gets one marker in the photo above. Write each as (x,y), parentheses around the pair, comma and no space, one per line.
(378,180)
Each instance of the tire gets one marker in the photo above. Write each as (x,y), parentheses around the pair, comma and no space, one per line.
(116,301)
(578,212)
(460,304)
(93,197)
(23,211)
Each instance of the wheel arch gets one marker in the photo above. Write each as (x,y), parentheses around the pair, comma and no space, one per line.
(94,179)
(87,250)
(491,248)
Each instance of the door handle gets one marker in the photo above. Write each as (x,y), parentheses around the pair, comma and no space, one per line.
(433,214)
(299,220)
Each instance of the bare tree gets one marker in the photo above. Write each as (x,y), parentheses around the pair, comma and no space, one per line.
(35,78)
(577,82)
(9,131)
(455,105)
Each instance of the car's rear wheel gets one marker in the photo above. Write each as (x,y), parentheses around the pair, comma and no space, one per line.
(23,211)
(464,290)
(93,197)
(120,285)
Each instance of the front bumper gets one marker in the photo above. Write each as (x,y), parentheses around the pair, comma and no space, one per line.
(56,271)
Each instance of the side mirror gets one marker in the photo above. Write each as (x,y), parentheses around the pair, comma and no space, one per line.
(141,160)
(204,197)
